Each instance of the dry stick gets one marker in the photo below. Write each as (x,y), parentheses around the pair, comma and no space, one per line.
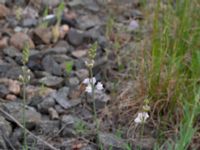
(21,126)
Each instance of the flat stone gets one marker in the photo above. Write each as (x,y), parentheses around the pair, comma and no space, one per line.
(4,11)
(29,22)
(82,74)
(51,66)
(3,90)
(13,86)
(42,36)
(88,21)
(4,42)
(50,3)
(48,127)
(87,4)
(47,103)
(73,82)
(101,99)
(5,126)
(79,53)
(5,131)
(31,115)
(19,39)
(75,37)
(61,98)
(109,140)
(51,81)
(11,51)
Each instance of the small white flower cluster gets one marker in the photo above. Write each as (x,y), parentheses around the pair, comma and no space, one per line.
(90,82)
(141,117)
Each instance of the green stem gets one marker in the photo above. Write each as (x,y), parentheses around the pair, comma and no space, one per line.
(94,104)
(23,115)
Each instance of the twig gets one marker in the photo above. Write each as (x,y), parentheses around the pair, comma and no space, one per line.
(21,126)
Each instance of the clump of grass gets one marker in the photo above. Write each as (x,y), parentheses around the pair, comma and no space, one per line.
(174,70)
(80,127)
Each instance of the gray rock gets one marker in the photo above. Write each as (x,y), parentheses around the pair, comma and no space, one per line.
(61,98)
(31,115)
(16,137)
(46,104)
(48,127)
(51,81)
(4,69)
(79,53)
(51,66)
(56,50)
(88,21)
(2,142)
(3,90)
(29,22)
(68,123)
(2,1)
(109,140)
(82,74)
(60,58)
(5,126)
(87,4)
(101,99)
(73,82)
(79,64)
(75,37)
(34,62)
(11,52)
(14,72)
(50,3)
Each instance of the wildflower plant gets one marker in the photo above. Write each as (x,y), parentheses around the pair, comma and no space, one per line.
(143,116)
(25,78)
(91,81)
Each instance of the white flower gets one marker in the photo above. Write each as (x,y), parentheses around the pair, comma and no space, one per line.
(86,81)
(88,89)
(89,80)
(99,86)
(141,117)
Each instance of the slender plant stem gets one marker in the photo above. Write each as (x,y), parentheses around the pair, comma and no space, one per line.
(94,105)
(23,115)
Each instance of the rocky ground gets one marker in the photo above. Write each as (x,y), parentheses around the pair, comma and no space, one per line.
(58,110)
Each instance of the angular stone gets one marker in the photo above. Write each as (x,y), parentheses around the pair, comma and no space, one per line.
(5,131)
(3,90)
(42,36)
(4,11)
(19,40)
(11,51)
(51,81)
(75,37)
(16,110)
(51,66)
(79,53)
(61,98)
(109,140)
(47,103)
(101,99)
(48,127)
